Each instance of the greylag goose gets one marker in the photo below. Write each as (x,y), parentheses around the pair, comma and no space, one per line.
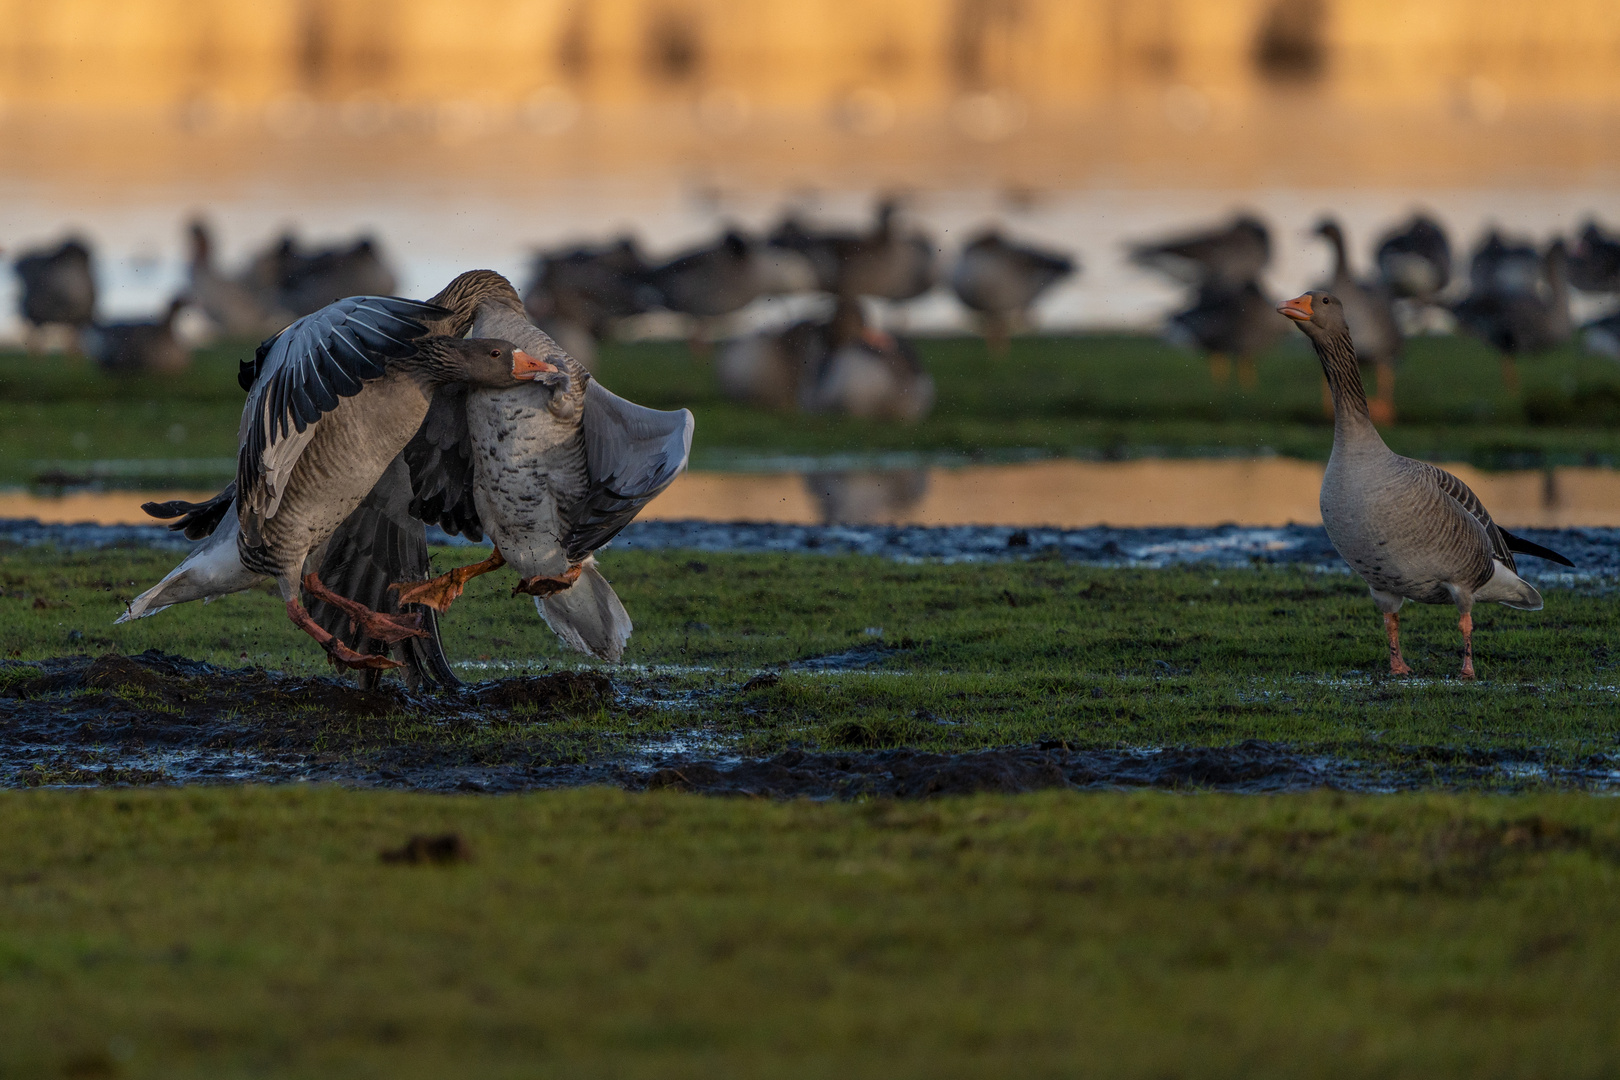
(1514,318)
(1371,317)
(304,281)
(337,396)
(1411,530)
(58,289)
(549,472)
(1228,258)
(886,262)
(1503,267)
(833,365)
(143,347)
(578,294)
(1001,280)
(724,278)
(1226,322)
(1414,261)
(233,305)
(1594,265)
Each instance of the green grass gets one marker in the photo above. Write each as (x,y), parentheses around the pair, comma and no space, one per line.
(1098,394)
(982,655)
(255,932)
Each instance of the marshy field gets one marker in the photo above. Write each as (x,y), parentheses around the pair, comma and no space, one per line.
(843,808)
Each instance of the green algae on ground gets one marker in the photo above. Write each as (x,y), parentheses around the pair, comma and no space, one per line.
(943,657)
(252,931)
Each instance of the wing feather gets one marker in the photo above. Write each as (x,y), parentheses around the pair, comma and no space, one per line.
(631,455)
(1465,497)
(299,375)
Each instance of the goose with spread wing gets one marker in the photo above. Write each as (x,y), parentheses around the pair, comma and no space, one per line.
(337,396)
(550,473)
(1411,530)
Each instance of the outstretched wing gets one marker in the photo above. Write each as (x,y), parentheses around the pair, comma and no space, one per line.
(306,369)
(631,454)
(441,464)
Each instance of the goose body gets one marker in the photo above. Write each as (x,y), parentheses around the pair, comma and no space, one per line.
(336,398)
(550,472)
(1594,265)
(1001,280)
(1229,257)
(885,262)
(1414,261)
(1411,530)
(58,287)
(1518,310)
(233,305)
(1226,322)
(133,348)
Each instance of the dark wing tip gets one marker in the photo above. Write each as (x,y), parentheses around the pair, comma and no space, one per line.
(1521,546)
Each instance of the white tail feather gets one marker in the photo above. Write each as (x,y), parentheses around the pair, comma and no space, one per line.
(588,615)
(211,570)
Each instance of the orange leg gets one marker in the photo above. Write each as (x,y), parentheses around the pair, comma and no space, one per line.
(1248,378)
(339,653)
(439,593)
(1392,630)
(385,628)
(1510,373)
(1466,625)
(545,586)
(1220,368)
(1382,407)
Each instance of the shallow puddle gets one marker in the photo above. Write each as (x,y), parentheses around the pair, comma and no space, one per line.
(1056,494)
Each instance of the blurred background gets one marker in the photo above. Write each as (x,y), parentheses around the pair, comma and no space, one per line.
(445,136)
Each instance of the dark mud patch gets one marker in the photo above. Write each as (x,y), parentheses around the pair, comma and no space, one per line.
(160,719)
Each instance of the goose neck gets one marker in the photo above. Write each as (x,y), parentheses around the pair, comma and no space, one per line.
(1338,356)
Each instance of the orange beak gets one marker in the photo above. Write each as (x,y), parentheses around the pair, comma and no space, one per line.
(525,366)
(1298,309)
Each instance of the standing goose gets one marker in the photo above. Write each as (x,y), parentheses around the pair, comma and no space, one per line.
(143,347)
(1415,260)
(1227,322)
(549,472)
(1371,318)
(1231,257)
(233,305)
(1515,315)
(1000,281)
(58,289)
(1411,530)
(338,395)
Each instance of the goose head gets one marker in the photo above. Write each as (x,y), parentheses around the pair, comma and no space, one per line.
(1319,314)
(483,362)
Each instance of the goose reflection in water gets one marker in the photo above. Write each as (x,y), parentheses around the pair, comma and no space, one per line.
(867,496)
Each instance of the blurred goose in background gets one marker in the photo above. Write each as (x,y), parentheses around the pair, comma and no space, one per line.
(1512,318)
(1594,265)
(58,289)
(1226,323)
(1371,318)
(335,398)
(577,295)
(550,471)
(233,305)
(1411,530)
(147,347)
(1001,281)
(1414,260)
(887,263)
(1228,258)
(838,364)
(726,277)
(303,281)
(1503,267)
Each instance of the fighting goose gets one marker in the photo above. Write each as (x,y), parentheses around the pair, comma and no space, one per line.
(1411,530)
(550,473)
(337,396)
(1371,318)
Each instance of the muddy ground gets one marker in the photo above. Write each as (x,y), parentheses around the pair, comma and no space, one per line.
(161,719)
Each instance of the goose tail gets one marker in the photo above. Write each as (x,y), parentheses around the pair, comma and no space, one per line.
(588,615)
(1508,588)
(213,569)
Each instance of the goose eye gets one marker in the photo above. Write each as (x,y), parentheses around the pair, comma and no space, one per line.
(495,352)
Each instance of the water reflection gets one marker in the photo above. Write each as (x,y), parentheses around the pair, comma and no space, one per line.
(1064,494)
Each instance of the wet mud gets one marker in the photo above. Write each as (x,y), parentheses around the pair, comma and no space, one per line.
(161,719)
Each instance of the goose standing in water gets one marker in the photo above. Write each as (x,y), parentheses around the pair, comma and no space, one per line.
(338,395)
(1373,327)
(1411,530)
(550,472)
(1001,281)
(58,289)
(143,347)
